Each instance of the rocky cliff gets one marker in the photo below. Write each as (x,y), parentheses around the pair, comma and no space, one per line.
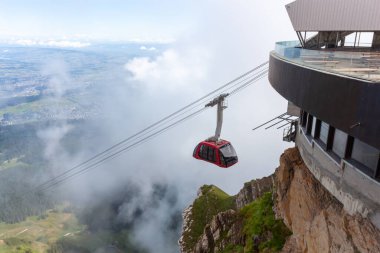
(317,220)
(246,222)
(289,211)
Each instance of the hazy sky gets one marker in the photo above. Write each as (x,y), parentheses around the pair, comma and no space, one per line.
(212,42)
(97,19)
(112,19)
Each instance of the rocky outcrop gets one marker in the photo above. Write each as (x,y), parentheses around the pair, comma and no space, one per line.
(224,232)
(317,220)
(204,218)
(253,190)
(186,228)
(225,229)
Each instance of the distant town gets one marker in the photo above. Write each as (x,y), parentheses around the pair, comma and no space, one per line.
(29,93)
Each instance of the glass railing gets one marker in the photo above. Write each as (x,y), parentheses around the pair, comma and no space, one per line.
(363,65)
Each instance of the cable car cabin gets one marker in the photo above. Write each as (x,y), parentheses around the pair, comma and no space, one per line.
(220,153)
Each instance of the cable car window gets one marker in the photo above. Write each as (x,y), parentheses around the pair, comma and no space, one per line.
(222,161)
(203,152)
(228,154)
(211,154)
(228,151)
(195,150)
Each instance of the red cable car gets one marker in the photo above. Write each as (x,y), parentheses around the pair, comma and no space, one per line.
(215,150)
(220,153)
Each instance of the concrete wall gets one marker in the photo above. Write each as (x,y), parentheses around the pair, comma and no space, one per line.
(356,191)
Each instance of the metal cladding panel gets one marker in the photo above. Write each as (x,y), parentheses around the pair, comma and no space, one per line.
(335,15)
(340,101)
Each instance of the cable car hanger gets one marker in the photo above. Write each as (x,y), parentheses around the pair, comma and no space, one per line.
(219,116)
(215,150)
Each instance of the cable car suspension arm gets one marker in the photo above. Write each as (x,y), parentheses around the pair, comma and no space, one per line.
(219,101)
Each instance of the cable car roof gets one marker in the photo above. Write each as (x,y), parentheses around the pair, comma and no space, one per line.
(217,144)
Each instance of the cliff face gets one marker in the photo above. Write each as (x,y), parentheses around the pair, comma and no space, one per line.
(316,218)
(254,219)
(205,214)
(247,224)
(254,190)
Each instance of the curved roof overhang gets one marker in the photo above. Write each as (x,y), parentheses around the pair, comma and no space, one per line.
(335,15)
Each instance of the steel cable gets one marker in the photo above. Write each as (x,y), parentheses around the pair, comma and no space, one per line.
(104,155)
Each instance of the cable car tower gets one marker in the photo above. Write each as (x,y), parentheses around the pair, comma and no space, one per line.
(215,150)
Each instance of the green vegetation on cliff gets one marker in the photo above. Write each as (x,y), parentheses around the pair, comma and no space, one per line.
(262,231)
(253,228)
(211,201)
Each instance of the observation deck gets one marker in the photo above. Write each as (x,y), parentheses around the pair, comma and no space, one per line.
(363,64)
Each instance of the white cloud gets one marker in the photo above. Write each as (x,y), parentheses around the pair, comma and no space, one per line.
(24,42)
(144,48)
(49,43)
(52,138)
(173,69)
(57,72)
(150,40)
(142,67)
(65,43)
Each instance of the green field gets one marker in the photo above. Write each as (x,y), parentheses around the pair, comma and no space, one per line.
(11,163)
(36,234)
(36,106)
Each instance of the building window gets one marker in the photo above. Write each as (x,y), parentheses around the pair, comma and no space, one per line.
(309,124)
(366,155)
(316,128)
(339,143)
(303,118)
(324,132)
(313,127)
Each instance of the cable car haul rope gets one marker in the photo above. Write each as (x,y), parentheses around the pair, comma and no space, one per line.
(214,150)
